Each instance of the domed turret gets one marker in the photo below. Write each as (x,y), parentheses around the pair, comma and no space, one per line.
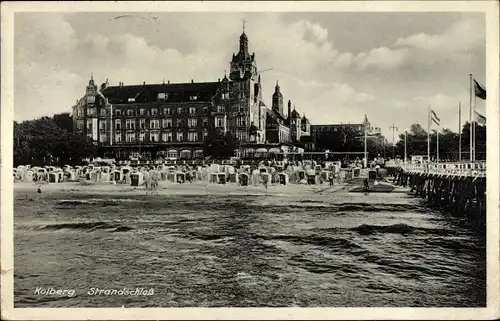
(277,99)
(277,92)
(295,114)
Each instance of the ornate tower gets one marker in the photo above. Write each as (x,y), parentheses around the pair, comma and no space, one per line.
(277,99)
(91,112)
(306,125)
(295,125)
(246,94)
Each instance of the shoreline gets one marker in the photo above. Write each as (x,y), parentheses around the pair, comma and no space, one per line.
(195,188)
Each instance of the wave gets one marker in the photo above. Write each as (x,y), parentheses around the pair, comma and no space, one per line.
(76,202)
(333,242)
(95,201)
(364,207)
(399,228)
(207,237)
(85,226)
(122,229)
(316,240)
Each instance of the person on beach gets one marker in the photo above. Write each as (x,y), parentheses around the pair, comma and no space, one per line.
(330,178)
(366,186)
(39,191)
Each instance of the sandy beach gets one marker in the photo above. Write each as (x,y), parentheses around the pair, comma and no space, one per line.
(169,188)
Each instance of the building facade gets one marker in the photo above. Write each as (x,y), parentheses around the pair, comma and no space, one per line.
(317,130)
(173,120)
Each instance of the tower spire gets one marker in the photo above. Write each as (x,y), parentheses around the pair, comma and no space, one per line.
(91,81)
(243,22)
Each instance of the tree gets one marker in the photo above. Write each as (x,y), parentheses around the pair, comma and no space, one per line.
(416,142)
(349,139)
(220,145)
(480,133)
(64,121)
(42,141)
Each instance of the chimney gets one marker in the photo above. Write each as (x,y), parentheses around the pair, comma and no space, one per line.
(289,109)
(144,83)
(168,82)
(192,81)
(219,79)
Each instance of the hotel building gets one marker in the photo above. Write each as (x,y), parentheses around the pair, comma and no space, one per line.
(173,120)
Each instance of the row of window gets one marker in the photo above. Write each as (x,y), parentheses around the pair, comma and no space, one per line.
(154,137)
(156,111)
(241,135)
(153,124)
(284,136)
(92,111)
(340,127)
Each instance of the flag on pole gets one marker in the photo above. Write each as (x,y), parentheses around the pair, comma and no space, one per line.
(434,117)
(479,90)
(481,120)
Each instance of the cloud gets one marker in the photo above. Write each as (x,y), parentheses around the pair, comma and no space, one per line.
(382,58)
(312,32)
(462,36)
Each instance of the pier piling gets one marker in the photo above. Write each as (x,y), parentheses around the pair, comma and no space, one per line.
(457,188)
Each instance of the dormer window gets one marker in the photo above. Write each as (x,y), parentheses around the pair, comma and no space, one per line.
(131,100)
(90,99)
(162,96)
(225,95)
(193,97)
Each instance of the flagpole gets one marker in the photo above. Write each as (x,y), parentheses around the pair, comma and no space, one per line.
(428,134)
(474,130)
(406,157)
(437,145)
(470,117)
(459,131)
(366,154)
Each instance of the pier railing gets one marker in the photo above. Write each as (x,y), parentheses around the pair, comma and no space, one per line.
(474,169)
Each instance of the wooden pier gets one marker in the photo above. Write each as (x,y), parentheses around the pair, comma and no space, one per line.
(458,188)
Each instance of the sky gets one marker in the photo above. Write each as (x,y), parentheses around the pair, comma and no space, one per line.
(335,67)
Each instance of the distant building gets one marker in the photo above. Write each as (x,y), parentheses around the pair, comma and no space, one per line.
(320,130)
(172,120)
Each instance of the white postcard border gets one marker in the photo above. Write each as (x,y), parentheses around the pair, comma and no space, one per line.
(492,311)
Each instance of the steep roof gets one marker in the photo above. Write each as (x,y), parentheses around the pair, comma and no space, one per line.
(276,115)
(295,114)
(182,92)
